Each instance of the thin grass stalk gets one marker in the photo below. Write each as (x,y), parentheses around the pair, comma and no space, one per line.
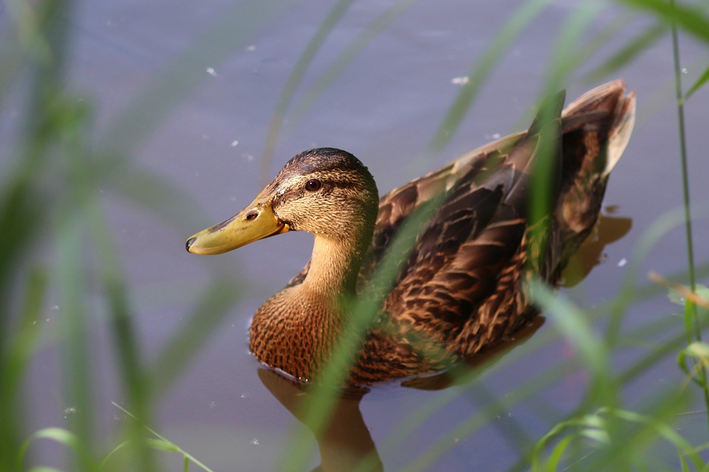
(295,78)
(691,315)
(15,355)
(344,59)
(482,69)
(78,385)
(133,376)
(685,179)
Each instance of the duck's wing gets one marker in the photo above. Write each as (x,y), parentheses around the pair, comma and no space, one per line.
(471,248)
(461,285)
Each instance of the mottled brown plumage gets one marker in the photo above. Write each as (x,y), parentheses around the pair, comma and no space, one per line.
(460,288)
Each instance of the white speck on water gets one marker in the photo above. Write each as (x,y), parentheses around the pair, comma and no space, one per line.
(248,157)
(684,70)
(622,262)
(250,48)
(244,395)
(212,404)
(460,80)
(211,71)
(254,441)
(235,143)
(70,410)
(55,307)
(456,440)
(495,135)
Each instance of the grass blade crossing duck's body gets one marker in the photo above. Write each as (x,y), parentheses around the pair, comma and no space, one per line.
(461,287)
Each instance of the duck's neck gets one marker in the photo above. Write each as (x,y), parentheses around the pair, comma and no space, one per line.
(334,266)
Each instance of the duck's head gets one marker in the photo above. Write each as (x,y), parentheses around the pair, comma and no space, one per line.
(326,191)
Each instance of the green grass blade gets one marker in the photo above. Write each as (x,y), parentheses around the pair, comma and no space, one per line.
(701,81)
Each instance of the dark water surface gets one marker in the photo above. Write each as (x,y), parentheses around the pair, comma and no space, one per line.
(385,109)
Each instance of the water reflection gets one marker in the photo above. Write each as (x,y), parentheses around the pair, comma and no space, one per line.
(608,230)
(345,443)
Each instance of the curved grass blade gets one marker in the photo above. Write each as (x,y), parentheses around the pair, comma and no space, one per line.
(164,444)
(691,19)
(236,26)
(625,55)
(58,435)
(211,309)
(697,85)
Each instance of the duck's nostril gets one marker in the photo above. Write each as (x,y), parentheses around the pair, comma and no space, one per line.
(251,215)
(189,244)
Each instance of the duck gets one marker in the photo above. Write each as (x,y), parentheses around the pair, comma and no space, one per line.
(459,285)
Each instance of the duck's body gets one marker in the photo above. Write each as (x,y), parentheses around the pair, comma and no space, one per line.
(460,288)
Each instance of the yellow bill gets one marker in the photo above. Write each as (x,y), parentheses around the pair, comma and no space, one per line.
(256,221)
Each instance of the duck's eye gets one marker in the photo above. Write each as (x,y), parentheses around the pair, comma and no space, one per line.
(313,185)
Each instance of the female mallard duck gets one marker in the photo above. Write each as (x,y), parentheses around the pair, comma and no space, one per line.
(460,289)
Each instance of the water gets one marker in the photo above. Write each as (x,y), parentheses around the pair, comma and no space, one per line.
(384,108)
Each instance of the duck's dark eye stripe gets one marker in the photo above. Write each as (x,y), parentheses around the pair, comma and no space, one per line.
(313,185)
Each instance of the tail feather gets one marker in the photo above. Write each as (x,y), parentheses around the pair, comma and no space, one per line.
(596,129)
(608,100)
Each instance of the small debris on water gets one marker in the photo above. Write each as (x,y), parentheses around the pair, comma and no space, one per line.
(622,262)
(685,71)
(211,71)
(248,157)
(254,441)
(235,143)
(460,80)
(250,48)
(70,410)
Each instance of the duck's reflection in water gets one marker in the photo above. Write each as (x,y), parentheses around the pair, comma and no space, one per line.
(344,440)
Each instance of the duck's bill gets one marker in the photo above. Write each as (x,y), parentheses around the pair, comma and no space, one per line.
(254,222)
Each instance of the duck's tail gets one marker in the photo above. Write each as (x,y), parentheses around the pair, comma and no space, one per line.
(608,112)
(596,129)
